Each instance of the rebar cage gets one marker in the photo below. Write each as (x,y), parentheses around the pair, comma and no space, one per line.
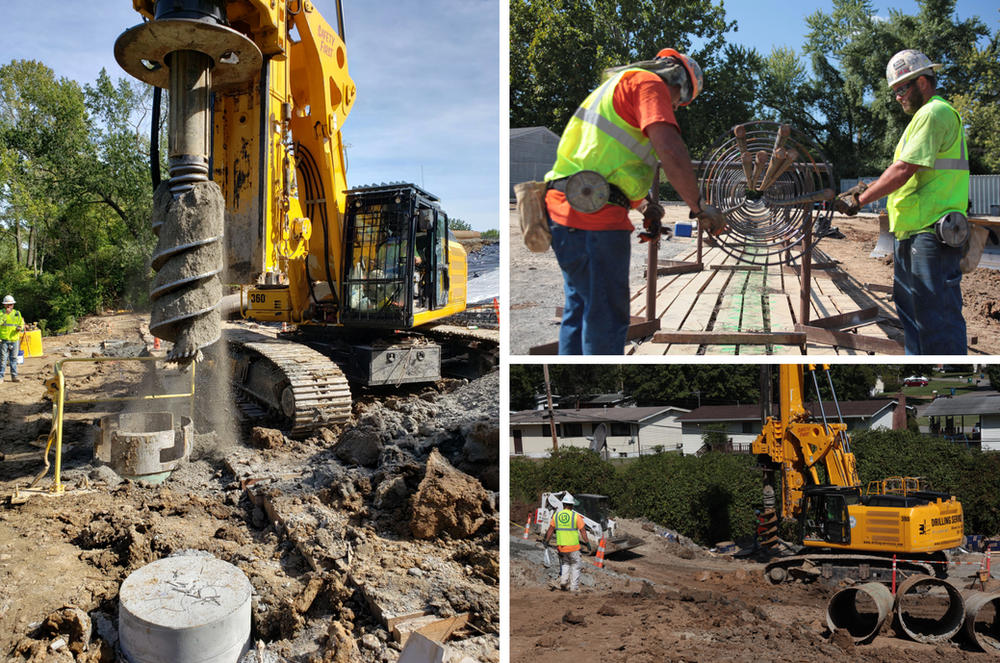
(763,227)
(381,270)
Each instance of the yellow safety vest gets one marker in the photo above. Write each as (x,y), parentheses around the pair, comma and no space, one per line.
(9,325)
(567,533)
(597,138)
(931,192)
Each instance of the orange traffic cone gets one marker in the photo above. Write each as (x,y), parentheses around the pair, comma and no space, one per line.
(496,307)
(600,554)
(527,527)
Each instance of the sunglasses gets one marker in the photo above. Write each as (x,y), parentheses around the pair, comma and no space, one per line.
(901,92)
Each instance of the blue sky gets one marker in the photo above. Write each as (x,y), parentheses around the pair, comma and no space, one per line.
(777,23)
(427,75)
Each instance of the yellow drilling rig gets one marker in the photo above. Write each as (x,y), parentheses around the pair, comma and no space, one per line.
(256,196)
(844,533)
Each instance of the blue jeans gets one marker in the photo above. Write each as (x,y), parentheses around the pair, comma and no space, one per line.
(928,295)
(595,266)
(8,351)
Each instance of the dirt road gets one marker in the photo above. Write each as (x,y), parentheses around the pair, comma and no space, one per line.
(666,601)
(326,529)
(536,282)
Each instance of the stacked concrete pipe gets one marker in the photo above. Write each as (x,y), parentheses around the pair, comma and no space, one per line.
(942,629)
(982,634)
(843,613)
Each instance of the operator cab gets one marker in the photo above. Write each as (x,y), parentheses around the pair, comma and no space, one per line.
(397,263)
(824,517)
(594,507)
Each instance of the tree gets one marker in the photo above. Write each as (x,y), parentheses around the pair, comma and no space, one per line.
(859,121)
(558,48)
(75,193)
(458,224)
(993,375)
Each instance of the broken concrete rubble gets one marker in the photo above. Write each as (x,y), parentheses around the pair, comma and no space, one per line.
(447,501)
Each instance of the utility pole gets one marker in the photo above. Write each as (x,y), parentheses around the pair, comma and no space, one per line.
(552,421)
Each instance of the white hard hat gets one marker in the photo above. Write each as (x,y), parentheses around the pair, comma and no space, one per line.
(568,499)
(908,64)
(8,300)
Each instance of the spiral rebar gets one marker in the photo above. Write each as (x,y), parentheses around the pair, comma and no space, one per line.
(753,172)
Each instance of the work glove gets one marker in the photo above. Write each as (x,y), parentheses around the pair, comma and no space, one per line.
(652,216)
(848,202)
(710,218)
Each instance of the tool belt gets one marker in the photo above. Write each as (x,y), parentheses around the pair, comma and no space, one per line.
(952,229)
(588,191)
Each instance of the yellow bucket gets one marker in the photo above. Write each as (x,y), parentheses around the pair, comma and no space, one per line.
(31,343)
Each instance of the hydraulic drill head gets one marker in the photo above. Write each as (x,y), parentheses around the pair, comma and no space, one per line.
(188,49)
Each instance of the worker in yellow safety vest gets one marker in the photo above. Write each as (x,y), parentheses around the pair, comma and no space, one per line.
(604,168)
(11,326)
(570,532)
(928,192)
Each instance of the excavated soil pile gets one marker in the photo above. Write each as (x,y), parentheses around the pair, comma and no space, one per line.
(327,544)
(671,600)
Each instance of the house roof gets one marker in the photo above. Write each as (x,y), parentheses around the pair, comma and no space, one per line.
(751,412)
(517,133)
(617,414)
(965,405)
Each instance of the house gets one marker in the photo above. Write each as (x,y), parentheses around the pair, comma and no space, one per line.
(968,410)
(532,154)
(743,422)
(630,431)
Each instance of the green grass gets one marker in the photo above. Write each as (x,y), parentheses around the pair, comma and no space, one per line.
(943,388)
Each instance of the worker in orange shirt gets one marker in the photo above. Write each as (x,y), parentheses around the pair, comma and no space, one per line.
(569,529)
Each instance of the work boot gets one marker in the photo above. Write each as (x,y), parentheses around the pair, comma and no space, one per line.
(15,379)
(1,378)
(574,589)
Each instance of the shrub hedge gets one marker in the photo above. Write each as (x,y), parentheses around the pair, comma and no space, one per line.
(713,498)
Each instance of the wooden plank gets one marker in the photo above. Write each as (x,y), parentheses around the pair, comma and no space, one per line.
(729,315)
(877,287)
(753,311)
(782,321)
(730,337)
(429,626)
(848,319)
(853,341)
(836,275)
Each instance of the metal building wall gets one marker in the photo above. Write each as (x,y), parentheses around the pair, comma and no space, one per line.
(532,154)
(984,192)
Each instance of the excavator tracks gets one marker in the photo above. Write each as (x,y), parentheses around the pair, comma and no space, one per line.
(299,387)
(862,568)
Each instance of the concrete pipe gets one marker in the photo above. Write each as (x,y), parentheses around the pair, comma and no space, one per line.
(850,610)
(918,621)
(983,632)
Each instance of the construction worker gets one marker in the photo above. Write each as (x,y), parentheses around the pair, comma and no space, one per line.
(604,168)
(569,529)
(11,328)
(928,189)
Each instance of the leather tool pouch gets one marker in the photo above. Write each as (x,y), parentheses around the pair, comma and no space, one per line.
(532,215)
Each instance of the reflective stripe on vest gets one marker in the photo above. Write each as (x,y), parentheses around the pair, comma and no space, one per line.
(566,531)
(597,138)
(930,193)
(642,152)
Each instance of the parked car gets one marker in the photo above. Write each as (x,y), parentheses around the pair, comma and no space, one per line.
(915,381)
(977,432)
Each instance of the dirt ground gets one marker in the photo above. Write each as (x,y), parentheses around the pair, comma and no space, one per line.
(670,600)
(536,281)
(393,513)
